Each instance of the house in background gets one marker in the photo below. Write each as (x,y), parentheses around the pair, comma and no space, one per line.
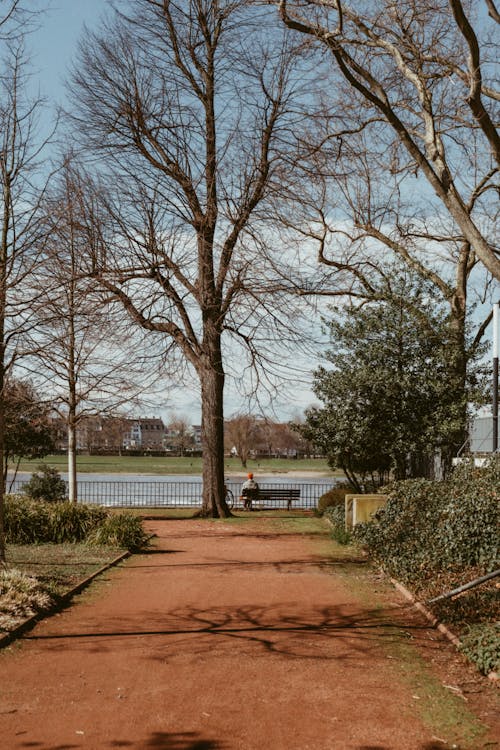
(145,434)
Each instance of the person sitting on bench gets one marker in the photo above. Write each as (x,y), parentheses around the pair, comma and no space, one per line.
(249,491)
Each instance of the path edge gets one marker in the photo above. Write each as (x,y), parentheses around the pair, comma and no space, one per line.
(63,601)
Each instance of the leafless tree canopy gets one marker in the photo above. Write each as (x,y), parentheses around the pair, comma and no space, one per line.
(83,351)
(22,184)
(186,107)
(419,81)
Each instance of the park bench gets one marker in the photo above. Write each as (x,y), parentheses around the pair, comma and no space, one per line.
(273,495)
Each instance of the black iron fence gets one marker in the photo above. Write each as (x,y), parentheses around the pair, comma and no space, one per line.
(177,494)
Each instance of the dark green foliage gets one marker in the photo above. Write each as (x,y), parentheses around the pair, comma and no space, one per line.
(389,397)
(26,521)
(121,530)
(481,644)
(28,433)
(333,497)
(429,526)
(30,521)
(46,484)
(439,535)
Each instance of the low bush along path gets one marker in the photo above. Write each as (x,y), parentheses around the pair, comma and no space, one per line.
(240,634)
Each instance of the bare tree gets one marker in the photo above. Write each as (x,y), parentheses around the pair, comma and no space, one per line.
(242,432)
(84,351)
(22,186)
(419,74)
(181,434)
(186,106)
(397,122)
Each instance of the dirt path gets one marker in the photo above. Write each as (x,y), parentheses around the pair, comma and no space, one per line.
(229,636)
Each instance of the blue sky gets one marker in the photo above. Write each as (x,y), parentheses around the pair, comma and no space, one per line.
(54,43)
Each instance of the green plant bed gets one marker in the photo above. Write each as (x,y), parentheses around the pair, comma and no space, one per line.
(37,577)
(30,521)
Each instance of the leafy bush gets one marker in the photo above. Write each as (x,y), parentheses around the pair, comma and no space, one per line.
(46,484)
(336,517)
(74,523)
(120,530)
(437,535)
(428,526)
(332,498)
(481,644)
(26,521)
(30,521)
(21,595)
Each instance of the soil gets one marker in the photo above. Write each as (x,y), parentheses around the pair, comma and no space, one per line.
(236,635)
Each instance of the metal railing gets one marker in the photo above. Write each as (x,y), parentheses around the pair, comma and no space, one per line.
(173,494)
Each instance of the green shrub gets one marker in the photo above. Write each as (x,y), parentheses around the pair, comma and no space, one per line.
(332,498)
(30,521)
(481,644)
(428,526)
(336,517)
(120,530)
(46,484)
(26,521)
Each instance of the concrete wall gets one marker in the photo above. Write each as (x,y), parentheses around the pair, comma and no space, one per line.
(360,508)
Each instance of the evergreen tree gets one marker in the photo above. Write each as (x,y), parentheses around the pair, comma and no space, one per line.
(389,399)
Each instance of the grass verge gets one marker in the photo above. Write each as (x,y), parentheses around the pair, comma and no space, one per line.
(38,576)
(59,567)
(180,465)
(441,708)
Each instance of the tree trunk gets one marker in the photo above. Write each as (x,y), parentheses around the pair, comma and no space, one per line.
(457,367)
(212,426)
(72,481)
(2,477)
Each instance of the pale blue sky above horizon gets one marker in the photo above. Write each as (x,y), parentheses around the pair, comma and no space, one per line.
(54,43)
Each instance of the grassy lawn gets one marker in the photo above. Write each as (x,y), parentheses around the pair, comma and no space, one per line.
(169,465)
(59,567)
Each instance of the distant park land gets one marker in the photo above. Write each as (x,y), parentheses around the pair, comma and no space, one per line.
(182,465)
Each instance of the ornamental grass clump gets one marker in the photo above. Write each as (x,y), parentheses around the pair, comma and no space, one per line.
(74,523)
(22,596)
(30,521)
(26,521)
(37,522)
(120,530)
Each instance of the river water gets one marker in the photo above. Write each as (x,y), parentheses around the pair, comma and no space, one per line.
(145,490)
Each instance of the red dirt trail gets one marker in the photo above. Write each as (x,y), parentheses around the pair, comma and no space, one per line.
(223,637)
